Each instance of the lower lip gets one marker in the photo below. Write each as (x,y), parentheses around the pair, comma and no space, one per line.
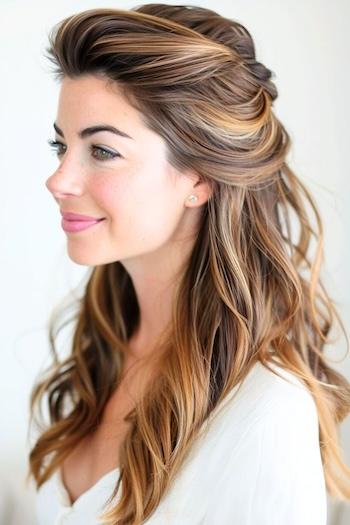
(78,226)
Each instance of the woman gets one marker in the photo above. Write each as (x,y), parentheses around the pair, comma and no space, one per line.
(197,390)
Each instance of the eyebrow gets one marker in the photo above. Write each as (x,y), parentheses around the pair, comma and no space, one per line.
(87,132)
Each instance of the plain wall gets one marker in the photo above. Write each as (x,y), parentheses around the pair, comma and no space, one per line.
(306,45)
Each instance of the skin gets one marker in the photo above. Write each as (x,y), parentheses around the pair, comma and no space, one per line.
(150,225)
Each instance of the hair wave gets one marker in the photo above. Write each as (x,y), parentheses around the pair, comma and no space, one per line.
(250,290)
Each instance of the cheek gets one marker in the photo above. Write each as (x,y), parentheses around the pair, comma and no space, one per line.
(144,208)
(112,194)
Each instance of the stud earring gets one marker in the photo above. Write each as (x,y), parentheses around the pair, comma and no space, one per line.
(192,198)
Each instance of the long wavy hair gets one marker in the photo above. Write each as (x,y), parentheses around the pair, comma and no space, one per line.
(250,289)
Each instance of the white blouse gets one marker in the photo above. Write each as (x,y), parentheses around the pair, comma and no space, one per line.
(256,462)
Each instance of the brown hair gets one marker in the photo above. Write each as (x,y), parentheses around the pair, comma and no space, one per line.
(250,290)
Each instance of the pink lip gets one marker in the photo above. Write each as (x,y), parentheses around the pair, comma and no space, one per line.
(69,216)
(77,226)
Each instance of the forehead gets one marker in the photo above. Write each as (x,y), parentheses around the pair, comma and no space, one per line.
(95,96)
(89,101)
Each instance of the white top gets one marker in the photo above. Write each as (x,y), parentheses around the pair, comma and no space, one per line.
(257,463)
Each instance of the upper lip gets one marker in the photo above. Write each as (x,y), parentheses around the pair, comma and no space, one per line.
(70,216)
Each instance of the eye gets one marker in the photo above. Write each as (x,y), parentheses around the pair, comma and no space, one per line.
(102,153)
(56,146)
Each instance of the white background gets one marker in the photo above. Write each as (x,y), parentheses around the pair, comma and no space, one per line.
(305,43)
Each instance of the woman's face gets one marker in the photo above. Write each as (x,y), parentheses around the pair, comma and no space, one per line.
(126,180)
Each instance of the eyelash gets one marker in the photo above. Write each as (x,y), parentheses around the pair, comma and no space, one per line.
(55,144)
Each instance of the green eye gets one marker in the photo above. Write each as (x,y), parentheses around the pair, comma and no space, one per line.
(102,153)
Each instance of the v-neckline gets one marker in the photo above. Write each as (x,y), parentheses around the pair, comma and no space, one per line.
(64,491)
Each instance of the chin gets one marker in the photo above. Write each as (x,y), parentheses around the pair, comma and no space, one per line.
(89,257)
(84,259)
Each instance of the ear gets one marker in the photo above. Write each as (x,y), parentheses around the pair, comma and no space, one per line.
(203,189)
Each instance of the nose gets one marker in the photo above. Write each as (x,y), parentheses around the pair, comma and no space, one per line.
(63,182)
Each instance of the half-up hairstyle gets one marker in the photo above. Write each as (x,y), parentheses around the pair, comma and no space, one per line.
(250,290)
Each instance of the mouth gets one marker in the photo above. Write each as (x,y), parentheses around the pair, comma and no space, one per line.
(74,226)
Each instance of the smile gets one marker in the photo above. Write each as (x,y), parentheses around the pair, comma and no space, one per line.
(78,226)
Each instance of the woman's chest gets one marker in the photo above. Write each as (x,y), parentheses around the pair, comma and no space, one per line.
(97,453)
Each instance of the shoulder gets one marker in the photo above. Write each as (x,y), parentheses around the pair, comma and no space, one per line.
(265,396)
(284,395)
(263,410)
(272,473)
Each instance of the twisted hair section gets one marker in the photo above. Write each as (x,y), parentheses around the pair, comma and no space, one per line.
(251,289)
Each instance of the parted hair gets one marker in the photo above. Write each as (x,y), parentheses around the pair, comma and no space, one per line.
(251,289)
